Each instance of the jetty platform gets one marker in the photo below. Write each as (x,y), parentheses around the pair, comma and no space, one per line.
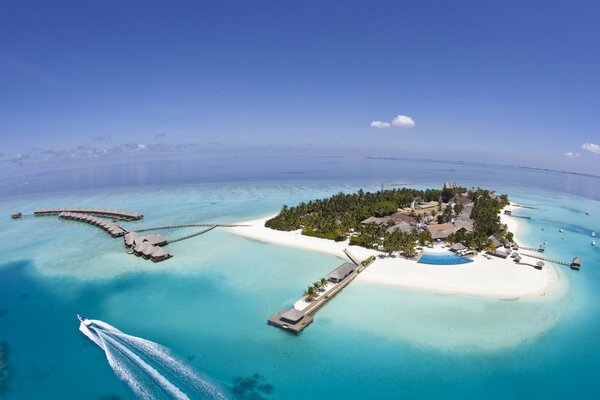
(575,264)
(98,212)
(295,321)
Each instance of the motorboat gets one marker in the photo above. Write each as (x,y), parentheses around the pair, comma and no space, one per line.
(593,242)
(593,234)
(561,230)
(84,319)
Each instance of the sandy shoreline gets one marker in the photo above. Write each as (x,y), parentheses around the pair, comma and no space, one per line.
(495,277)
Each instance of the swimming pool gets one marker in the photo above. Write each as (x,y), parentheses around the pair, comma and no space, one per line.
(446,258)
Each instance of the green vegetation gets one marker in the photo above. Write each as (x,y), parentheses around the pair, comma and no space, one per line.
(312,292)
(339,218)
(486,219)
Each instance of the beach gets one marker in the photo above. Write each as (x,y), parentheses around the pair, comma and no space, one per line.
(485,276)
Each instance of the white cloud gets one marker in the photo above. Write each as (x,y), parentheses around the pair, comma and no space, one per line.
(400,121)
(403,121)
(380,124)
(594,148)
(569,154)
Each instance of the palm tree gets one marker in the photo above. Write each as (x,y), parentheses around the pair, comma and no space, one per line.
(324,282)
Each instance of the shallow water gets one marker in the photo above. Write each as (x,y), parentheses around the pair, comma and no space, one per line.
(210,302)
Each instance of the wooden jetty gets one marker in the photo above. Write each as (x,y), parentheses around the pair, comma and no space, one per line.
(575,264)
(157,228)
(98,212)
(295,321)
(210,228)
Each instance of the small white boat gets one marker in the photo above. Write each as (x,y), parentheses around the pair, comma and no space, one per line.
(593,242)
(593,234)
(587,213)
(84,319)
(560,230)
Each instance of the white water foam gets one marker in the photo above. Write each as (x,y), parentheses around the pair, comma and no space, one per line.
(147,367)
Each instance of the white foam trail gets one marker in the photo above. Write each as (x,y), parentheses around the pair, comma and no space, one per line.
(124,354)
(164,382)
(161,355)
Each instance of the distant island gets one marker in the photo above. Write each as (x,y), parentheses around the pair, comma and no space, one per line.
(396,220)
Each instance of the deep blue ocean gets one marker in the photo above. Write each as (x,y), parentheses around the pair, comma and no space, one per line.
(209,303)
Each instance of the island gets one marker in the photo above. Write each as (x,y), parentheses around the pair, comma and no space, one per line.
(449,240)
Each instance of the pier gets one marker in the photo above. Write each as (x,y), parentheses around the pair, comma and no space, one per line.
(148,247)
(98,212)
(295,321)
(575,264)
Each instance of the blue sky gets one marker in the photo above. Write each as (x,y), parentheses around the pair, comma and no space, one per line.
(511,81)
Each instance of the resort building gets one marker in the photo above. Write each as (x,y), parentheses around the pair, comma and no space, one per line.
(375,220)
(292,316)
(341,272)
(440,231)
(402,217)
(449,185)
(458,247)
(403,227)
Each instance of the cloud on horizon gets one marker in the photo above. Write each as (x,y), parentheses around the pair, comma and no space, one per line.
(594,148)
(400,121)
(403,121)
(380,124)
(570,154)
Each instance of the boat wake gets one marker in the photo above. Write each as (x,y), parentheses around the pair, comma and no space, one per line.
(147,367)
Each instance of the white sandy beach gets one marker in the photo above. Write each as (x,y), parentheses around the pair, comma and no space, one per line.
(495,277)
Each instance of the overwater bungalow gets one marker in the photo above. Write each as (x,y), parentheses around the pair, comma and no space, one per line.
(539,264)
(155,240)
(147,250)
(160,255)
(576,263)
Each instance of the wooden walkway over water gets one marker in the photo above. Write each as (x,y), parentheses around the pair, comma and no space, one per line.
(298,326)
(158,228)
(98,212)
(147,246)
(566,263)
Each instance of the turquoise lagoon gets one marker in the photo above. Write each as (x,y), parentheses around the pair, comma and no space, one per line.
(210,302)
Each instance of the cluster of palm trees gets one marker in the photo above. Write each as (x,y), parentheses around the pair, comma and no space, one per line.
(313,291)
(336,215)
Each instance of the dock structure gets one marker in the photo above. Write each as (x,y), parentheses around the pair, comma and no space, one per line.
(295,321)
(149,247)
(158,228)
(111,228)
(98,212)
(575,264)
